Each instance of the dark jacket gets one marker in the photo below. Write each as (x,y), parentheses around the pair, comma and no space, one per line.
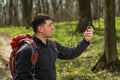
(45,66)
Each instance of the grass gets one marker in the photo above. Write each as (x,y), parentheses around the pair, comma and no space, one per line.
(4,71)
(13,31)
(79,68)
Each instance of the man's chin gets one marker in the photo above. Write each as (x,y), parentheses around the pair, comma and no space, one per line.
(49,36)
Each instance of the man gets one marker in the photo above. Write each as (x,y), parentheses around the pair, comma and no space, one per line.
(45,66)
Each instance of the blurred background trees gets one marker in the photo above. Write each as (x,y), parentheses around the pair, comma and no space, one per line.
(84,15)
(109,60)
(20,12)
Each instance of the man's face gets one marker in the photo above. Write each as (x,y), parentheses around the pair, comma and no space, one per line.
(48,29)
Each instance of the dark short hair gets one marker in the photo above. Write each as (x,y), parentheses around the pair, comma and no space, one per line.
(39,19)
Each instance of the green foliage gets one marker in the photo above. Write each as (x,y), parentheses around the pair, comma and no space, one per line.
(79,68)
(0,43)
(3,73)
(13,31)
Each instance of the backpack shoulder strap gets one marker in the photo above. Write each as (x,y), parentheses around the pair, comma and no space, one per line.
(53,44)
(34,56)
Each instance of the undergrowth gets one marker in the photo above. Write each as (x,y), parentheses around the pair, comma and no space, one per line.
(79,68)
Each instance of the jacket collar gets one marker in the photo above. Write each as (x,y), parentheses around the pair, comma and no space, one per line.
(39,42)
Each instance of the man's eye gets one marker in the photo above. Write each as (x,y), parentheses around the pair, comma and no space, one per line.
(50,25)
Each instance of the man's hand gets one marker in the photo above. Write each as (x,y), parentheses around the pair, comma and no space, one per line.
(88,34)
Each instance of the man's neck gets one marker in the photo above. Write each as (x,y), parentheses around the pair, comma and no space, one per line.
(43,39)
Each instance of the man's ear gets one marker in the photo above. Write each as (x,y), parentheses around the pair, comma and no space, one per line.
(40,29)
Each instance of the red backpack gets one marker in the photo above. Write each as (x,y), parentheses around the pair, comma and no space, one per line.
(16,43)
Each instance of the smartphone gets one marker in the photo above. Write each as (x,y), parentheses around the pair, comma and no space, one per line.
(89,25)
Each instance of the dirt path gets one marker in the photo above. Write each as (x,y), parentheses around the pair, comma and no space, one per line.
(5,50)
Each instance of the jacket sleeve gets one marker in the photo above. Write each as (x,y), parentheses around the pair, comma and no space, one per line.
(23,63)
(67,53)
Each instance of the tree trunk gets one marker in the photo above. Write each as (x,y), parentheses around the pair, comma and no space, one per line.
(85,15)
(118,8)
(109,59)
(38,7)
(95,9)
(110,32)
(99,12)
(15,16)
(10,12)
(45,6)
(55,6)
(27,12)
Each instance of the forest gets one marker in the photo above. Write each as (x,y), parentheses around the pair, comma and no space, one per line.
(100,61)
